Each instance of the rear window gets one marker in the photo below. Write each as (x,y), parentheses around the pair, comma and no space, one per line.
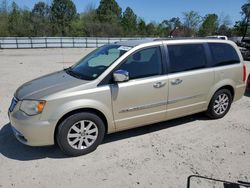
(223,54)
(185,57)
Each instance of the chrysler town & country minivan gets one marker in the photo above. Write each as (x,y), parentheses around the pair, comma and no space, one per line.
(125,85)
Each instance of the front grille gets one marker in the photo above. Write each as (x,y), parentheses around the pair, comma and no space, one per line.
(13,104)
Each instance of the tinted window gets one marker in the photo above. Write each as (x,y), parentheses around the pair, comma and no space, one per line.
(144,63)
(223,54)
(186,57)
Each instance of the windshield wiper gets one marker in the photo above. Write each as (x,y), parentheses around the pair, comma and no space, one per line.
(72,73)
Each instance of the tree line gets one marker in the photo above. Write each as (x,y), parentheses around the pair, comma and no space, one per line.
(62,19)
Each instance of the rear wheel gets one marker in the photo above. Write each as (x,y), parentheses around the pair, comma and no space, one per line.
(219,104)
(80,133)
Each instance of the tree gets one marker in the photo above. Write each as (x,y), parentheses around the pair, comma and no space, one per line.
(239,28)
(19,22)
(4,19)
(191,21)
(246,13)
(161,30)
(172,23)
(129,22)
(224,30)
(91,25)
(151,29)
(14,20)
(142,29)
(109,11)
(41,19)
(62,14)
(209,25)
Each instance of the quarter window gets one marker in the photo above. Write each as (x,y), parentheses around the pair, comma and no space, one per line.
(223,54)
(185,57)
(144,63)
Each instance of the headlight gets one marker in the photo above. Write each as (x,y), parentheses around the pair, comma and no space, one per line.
(32,107)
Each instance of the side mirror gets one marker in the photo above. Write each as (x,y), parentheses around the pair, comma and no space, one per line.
(121,76)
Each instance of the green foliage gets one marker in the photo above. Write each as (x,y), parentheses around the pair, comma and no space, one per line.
(109,11)
(172,23)
(62,13)
(142,27)
(61,19)
(246,19)
(41,19)
(19,22)
(191,21)
(129,22)
(4,19)
(209,25)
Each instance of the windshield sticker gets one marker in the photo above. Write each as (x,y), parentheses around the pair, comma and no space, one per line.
(124,48)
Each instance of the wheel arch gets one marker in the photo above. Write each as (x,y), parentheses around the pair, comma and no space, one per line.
(90,110)
(226,86)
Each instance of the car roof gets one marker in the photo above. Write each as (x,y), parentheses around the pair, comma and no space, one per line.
(136,42)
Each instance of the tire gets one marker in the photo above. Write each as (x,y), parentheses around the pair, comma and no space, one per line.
(219,104)
(80,133)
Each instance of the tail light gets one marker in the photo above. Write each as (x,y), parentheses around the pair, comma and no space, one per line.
(244,73)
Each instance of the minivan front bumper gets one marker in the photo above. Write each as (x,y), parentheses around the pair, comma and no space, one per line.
(30,130)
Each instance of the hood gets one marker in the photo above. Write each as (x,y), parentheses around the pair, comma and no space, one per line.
(47,85)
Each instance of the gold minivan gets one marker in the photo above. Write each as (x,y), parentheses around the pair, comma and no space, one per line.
(125,85)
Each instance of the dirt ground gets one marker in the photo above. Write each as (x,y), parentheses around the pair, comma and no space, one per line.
(159,155)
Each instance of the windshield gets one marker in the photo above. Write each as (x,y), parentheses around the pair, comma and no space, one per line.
(94,64)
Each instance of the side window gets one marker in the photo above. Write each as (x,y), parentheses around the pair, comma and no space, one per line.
(144,63)
(223,54)
(184,57)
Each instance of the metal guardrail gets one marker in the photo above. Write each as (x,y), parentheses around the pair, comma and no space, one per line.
(56,42)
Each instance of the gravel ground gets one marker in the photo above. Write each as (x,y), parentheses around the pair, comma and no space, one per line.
(159,155)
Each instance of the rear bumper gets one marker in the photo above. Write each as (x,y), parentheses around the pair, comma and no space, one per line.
(30,130)
(239,91)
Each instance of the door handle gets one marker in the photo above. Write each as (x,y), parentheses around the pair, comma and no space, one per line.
(159,84)
(176,81)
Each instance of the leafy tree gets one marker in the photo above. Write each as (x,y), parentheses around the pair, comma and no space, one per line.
(239,28)
(151,29)
(62,14)
(41,19)
(246,20)
(91,25)
(129,22)
(191,21)
(172,23)
(209,25)
(224,30)
(3,19)
(14,20)
(162,30)
(142,29)
(109,11)
(19,22)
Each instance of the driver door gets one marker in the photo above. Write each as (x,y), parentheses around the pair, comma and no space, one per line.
(143,99)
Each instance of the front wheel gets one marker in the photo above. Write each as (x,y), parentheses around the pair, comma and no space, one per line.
(219,104)
(80,133)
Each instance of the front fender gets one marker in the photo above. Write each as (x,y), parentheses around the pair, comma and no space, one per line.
(66,107)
